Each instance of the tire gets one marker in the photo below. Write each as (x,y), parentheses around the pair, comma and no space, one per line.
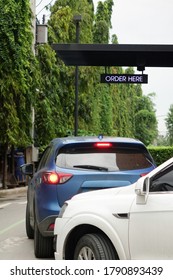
(94,247)
(29,229)
(43,246)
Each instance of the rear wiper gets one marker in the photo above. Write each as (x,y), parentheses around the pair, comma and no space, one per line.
(100,168)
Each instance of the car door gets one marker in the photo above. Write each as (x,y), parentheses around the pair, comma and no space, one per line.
(151,224)
(34,182)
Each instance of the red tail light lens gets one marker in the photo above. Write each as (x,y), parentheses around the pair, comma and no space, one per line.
(55,178)
(103,145)
(143,174)
(64,177)
(51,227)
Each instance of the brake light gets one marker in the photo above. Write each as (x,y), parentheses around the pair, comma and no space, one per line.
(143,174)
(55,178)
(103,145)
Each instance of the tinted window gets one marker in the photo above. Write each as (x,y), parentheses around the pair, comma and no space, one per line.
(113,159)
(44,158)
(163,181)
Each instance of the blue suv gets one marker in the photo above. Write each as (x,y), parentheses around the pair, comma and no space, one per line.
(73,165)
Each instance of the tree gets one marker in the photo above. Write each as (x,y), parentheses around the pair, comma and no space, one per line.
(17,72)
(48,108)
(169,125)
(62,29)
(145,119)
(103,22)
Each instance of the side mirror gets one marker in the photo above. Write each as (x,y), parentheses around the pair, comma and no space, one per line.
(142,190)
(27,169)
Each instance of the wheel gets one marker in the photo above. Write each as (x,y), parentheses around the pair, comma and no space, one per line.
(43,246)
(94,247)
(29,229)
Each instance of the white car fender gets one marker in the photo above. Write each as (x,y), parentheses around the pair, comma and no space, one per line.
(63,227)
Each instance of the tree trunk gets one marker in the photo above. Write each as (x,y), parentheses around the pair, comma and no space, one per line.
(5,167)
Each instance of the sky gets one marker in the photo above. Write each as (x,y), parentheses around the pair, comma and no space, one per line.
(143,22)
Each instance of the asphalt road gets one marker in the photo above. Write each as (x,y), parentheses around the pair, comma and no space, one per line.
(14,244)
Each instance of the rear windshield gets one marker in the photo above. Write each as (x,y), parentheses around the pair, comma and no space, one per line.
(112,159)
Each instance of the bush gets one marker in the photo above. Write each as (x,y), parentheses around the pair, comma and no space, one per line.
(161,154)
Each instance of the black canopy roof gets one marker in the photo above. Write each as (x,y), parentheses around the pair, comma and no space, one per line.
(115,55)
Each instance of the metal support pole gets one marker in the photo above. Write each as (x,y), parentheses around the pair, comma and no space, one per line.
(76,100)
(76,19)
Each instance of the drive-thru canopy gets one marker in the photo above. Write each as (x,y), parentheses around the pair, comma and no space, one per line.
(139,56)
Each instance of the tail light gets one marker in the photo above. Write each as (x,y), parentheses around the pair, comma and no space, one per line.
(55,178)
(143,174)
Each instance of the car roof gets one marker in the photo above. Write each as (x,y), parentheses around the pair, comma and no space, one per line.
(91,139)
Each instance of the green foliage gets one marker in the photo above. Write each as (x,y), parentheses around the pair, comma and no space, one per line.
(161,154)
(107,109)
(162,140)
(49,118)
(18,76)
(17,71)
(145,126)
(104,11)
(169,125)
(119,110)
(62,27)
(45,83)
(102,22)
(59,25)
(145,119)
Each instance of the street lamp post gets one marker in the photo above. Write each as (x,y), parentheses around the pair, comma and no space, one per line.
(77,19)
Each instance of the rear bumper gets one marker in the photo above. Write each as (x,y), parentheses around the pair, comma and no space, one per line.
(57,256)
(44,226)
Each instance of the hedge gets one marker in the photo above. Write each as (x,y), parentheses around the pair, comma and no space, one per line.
(161,154)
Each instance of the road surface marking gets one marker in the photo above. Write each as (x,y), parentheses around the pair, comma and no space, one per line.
(7,204)
(4,205)
(23,202)
(12,226)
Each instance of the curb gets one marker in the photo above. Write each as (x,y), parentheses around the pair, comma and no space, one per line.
(15,191)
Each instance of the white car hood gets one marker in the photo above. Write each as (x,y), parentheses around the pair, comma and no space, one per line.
(115,200)
(106,193)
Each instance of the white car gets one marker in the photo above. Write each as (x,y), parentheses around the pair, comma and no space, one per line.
(133,222)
